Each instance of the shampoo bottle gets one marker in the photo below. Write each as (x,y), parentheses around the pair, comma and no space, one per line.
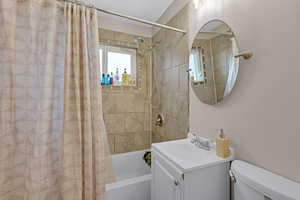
(222,145)
(125,78)
(117,77)
(107,79)
(112,79)
(103,79)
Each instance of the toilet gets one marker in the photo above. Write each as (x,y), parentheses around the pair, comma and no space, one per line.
(253,183)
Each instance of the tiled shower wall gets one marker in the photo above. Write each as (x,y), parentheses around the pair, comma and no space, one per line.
(170,93)
(127,109)
(130,113)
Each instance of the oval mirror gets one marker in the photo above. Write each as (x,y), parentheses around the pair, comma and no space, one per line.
(213,66)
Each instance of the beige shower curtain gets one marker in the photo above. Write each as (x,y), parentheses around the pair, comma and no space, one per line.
(52,136)
(85,166)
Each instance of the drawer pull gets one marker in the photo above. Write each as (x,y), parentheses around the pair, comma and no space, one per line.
(176,182)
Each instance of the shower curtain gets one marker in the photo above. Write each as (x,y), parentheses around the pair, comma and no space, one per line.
(233,69)
(52,135)
(85,164)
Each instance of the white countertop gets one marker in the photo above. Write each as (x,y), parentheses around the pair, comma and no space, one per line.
(187,157)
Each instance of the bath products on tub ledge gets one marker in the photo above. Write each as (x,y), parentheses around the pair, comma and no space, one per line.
(106,80)
(115,80)
(222,145)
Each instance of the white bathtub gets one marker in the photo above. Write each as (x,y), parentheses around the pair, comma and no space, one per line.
(133,178)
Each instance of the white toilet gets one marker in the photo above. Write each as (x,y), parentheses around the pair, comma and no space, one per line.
(253,183)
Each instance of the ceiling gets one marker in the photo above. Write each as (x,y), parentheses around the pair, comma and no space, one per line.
(150,10)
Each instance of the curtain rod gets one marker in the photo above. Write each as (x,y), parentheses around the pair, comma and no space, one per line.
(128,17)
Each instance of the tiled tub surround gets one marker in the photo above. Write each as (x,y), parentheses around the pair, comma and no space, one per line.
(170,83)
(127,109)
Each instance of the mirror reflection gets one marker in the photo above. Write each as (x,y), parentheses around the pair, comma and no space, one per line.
(213,66)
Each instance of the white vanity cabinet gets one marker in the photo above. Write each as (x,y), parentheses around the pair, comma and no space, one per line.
(167,182)
(181,171)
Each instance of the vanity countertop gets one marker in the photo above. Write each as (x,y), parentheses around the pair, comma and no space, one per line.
(187,157)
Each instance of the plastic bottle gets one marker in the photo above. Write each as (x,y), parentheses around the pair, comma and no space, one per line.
(112,78)
(125,78)
(107,79)
(117,77)
(103,79)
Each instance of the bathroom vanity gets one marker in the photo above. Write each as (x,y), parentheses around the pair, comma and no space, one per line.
(182,171)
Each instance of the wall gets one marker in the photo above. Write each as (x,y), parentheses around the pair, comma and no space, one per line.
(127,109)
(170,12)
(170,83)
(261,116)
(123,25)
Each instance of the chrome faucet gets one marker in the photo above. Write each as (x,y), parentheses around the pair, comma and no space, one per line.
(201,143)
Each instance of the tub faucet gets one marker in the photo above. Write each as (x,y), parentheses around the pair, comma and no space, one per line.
(159,120)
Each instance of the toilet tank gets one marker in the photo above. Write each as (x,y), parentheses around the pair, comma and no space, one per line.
(253,183)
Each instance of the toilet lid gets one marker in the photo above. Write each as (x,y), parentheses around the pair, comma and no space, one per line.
(265,182)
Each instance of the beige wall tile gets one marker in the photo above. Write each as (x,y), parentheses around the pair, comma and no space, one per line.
(127,109)
(124,143)
(111,143)
(156,138)
(142,140)
(135,122)
(132,142)
(114,123)
(170,83)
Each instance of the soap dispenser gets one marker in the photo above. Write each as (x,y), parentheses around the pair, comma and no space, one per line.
(222,145)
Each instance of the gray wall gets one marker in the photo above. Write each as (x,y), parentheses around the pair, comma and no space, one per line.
(262,115)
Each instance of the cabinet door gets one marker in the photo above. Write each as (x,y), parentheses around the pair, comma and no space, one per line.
(165,186)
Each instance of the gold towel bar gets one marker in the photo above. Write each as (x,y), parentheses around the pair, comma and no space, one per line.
(246,55)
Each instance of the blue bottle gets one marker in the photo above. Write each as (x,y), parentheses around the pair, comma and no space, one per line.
(103,79)
(107,79)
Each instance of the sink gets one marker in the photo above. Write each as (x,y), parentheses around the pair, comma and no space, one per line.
(187,157)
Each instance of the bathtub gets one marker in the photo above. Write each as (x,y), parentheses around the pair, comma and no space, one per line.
(133,178)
